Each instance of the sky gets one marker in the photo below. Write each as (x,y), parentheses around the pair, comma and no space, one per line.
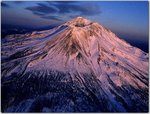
(128,19)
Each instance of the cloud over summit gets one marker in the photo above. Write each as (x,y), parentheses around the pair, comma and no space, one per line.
(51,10)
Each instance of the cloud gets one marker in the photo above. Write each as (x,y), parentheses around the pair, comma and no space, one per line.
(52,18)
(38,13)
(41,9)
(50,9)
(19,2)
(62,2)
(83,8)
(4,5)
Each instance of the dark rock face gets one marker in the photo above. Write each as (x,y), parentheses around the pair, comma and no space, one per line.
(77,67)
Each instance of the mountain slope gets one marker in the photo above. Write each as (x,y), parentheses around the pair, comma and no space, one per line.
(79,66)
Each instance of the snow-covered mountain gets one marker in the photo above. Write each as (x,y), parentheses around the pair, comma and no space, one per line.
(79,66)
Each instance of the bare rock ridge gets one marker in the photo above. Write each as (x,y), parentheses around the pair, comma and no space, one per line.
(79,66)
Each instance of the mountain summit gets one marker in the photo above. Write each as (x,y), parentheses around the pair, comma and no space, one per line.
(79,22)
(79,66)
